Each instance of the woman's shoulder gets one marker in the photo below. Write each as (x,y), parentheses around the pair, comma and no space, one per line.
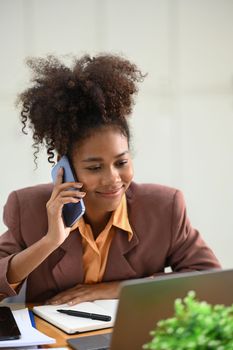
(39,192)
(151,190)
(144,196)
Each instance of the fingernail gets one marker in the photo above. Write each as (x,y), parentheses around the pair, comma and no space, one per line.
(81,194)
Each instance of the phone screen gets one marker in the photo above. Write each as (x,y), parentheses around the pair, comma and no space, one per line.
(8,326)
(71,211)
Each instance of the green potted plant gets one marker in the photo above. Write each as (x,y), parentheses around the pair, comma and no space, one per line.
(196,325)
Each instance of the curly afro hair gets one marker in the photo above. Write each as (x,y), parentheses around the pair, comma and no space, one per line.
(65,104)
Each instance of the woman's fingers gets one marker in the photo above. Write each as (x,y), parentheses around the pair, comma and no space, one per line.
(69,185)
(87,292)
(73,194)
(56,204)
(74,295)
(65,197)
(66,189)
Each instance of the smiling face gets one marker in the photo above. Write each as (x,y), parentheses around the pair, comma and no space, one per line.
(103,164)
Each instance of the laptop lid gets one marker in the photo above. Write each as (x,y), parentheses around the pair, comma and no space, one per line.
(144,302)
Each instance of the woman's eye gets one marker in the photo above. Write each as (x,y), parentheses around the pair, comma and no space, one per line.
(94,168)
(122,163)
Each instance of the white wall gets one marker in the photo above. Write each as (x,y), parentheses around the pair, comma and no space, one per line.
(183,119)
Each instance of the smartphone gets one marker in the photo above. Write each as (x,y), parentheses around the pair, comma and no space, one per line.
(71,212)
(8,326)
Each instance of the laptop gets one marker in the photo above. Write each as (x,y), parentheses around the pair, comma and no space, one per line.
(143,303)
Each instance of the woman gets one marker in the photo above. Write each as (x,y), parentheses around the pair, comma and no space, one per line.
(128,230)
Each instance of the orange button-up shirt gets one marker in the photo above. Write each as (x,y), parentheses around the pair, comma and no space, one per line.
(96,250)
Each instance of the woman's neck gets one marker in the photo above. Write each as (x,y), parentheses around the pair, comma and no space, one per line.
(97,221)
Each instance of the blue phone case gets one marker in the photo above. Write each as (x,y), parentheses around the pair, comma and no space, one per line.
(71,211)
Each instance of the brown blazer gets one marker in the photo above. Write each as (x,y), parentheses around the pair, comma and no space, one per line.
(162,237)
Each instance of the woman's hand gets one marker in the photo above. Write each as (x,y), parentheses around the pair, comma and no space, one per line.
(63,193)
(87,292)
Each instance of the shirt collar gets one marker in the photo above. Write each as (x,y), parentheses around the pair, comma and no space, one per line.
(119,218)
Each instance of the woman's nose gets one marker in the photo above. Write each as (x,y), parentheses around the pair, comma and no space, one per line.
(111,176)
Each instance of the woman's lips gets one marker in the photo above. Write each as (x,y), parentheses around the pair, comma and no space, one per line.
(110,193)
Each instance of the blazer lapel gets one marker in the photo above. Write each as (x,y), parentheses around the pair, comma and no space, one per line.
(118,267)
(68,271)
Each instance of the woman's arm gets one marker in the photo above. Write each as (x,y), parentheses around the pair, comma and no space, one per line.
(24,262)
(188,251)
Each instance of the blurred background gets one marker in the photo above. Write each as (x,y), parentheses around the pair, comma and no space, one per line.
(182,122)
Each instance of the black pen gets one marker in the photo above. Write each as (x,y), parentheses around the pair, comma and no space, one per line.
(85,315)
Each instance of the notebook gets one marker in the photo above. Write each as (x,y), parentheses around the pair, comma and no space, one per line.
(73,324)
(143,303)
